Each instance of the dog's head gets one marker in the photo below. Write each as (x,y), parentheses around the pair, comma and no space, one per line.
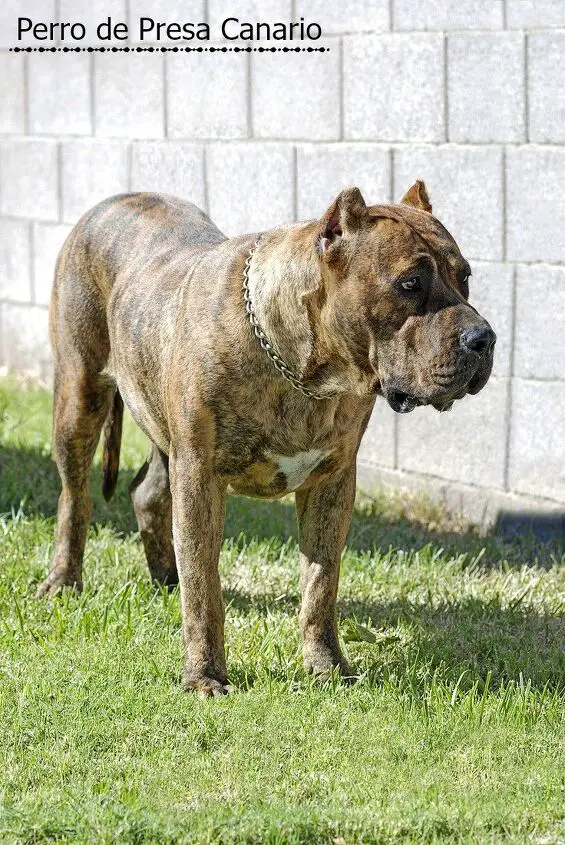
(397,287)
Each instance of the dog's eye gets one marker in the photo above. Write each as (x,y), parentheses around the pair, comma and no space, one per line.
(412,285)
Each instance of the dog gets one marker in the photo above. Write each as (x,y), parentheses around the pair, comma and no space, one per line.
(252,364)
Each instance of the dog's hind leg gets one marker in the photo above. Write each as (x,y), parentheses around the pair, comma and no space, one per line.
(151,497)
(80,407)
(82,399)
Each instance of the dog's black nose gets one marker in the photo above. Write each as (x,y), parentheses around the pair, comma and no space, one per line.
(478,339)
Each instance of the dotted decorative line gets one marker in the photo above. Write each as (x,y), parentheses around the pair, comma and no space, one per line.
(169,50)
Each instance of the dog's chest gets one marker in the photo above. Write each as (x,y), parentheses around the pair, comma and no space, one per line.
(297,468)
(273,474)
(270,450)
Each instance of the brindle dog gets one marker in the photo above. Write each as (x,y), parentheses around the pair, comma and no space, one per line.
(149,305)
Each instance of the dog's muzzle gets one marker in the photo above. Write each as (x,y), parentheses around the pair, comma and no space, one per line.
(475,359)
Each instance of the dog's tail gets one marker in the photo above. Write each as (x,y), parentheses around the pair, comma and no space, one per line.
(112,442)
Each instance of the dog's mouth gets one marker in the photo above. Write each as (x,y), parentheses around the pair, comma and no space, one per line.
(401,402)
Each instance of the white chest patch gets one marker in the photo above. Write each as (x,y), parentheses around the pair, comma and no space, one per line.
(297,468)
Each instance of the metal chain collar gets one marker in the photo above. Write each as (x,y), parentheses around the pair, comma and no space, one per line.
(277,361)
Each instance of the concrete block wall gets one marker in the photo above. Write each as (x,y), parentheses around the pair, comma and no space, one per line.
(466,94)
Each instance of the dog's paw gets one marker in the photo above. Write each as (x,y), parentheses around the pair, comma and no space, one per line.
(59,579)
(321,677)
(323,666)
(208,687)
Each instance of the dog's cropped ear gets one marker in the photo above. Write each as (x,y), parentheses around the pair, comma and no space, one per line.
(343,217)
(417,196)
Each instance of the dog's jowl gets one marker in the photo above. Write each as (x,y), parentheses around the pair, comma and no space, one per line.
(252,364)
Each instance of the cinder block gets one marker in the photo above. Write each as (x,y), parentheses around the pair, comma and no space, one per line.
(207,95)
(535,187)
(449,14)
(26,339)
(377,446)
(535,13)
(170,167)
(91,13)
(47,242)
(252,11)
(467,444)
(296,95)
(491,294)
(15,260)
(393,87)
(546,93)
(350,16)
(164,11)
(325,169)
(11,10)
(537,446)
(92,171)
(465,186)
(486,87)
(540,341)
(59,93)
(249,186)
(28,175)
(129,95)
(12,97)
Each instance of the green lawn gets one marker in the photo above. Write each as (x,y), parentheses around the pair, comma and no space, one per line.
(453,733)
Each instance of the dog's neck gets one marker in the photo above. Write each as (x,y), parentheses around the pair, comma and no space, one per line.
(281,272)
(285,286)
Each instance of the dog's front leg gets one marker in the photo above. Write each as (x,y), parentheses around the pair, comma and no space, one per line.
(198,521)
(324,513)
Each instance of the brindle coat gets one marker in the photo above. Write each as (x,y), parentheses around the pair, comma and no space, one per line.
(148,299)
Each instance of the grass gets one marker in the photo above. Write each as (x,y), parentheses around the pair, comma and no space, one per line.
(453,733)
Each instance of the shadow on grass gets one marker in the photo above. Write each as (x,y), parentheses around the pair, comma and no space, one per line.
(29,477)
(471,637)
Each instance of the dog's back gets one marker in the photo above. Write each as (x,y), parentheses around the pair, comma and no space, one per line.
(128,231)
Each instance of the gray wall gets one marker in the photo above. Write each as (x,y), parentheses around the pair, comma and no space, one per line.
(467,94)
